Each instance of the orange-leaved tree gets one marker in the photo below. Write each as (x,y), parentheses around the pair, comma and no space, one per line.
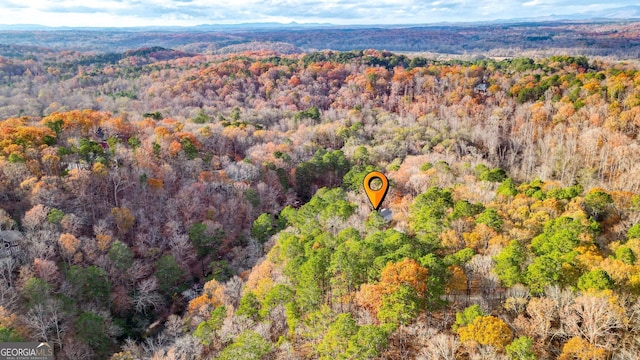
(212,297)
(580,349)
(400,294)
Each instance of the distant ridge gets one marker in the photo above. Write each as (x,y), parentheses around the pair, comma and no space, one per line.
(202,27)
(503,38)
(24,27)
(629,12)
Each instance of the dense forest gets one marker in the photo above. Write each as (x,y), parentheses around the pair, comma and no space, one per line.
(161,203)
(612,38)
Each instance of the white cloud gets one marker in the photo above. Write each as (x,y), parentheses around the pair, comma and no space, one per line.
(194,12)
(533,3)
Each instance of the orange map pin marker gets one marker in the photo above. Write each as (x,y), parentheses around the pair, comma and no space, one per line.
(376,196)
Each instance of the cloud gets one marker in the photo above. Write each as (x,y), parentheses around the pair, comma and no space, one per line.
(9,4)
(194,12)
(76,9)
(534,3)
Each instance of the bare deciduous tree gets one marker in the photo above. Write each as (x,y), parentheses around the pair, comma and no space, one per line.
(233,291)
(147,296)
(45,321)
(182,250)
(185,348)
(441,347)
(596,319)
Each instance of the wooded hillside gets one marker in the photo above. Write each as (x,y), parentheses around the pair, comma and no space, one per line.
(165,204)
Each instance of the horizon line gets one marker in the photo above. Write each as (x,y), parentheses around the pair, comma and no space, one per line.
(543,19)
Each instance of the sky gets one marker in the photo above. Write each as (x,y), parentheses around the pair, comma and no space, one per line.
(126,13)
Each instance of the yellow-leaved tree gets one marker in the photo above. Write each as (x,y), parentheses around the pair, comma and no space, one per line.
(578,348)
(487,330)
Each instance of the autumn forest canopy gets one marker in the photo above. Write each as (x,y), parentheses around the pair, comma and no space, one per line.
(175,202)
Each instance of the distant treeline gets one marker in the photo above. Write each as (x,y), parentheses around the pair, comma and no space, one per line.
(619,39)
